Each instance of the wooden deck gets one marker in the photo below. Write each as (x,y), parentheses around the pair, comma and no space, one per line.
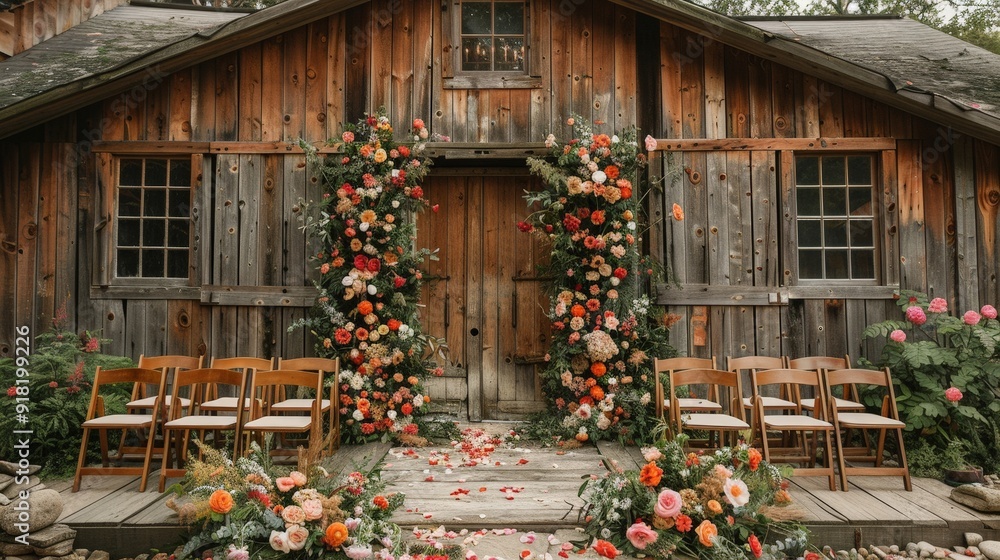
(536,488)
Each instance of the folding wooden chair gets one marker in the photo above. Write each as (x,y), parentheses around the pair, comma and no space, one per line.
(193,418)
(142,400)
(214,402)
(888,420)
(708,419)
(666,366)
(330,406)
(262,418)
(849,394)
(98,420)
(805,452)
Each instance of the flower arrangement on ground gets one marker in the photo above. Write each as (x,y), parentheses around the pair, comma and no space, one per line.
(369,280)
(248,509)
(946,373)
(701,505)
(599,371)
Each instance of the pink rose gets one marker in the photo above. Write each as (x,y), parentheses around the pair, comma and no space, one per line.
(938,305)
(293,515)
(240,553)
(989,311)
(348,136)
(650,143)
(953,394)
(897,336)
(313,509)
(279,541)
(722,472)
(651,454)
(284,483)
(971,317)
(358,552)
(352,523)
(418,123)
(640,535)
(668,504)
(916,315)
(297,537)
(298,478)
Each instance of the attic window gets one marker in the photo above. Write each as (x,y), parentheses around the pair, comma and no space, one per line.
(493,36)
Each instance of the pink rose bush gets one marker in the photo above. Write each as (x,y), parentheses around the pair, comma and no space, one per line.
(701,504)
(311,514)
(945,368)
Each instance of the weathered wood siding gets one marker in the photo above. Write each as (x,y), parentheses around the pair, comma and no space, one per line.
(593,58)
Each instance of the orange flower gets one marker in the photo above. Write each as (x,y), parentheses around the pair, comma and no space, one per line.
(611,171)
(581,436)
(598,368)
(380,502)
(754,457)
(678,212)
(596,392)
(605,549)
(221,501)
(714,506)
(650,474)
(706,532)
(577,311)
(626,192)
(335,535)
(365,307)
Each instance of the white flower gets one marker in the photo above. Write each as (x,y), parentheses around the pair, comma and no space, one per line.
(418,401)
(391,414)
(358,415)
(363,226)
(736,492)
(631,226)
(372,290)
(395,173)
(347,281)
(615,139)
(395,204)
(583,411)
(358,552)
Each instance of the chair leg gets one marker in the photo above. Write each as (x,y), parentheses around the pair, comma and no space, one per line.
(840,461)
(902,461)
(880,450)
(81,461)
(150,443)
(829,460)
(164,462)
(103,436)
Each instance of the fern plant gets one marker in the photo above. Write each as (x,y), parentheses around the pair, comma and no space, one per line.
(946,372)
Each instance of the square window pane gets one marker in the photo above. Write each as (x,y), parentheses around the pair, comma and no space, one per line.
(180,173)
(178,234)
(834,172)
(177,264)
(509,53)
(835,233)
(863,264)
(180,203)
(154,203)
(128,263)
(130,172)
(811,264)
(128,233)
(834,201)
(860,201)
(476,53)
(129,202)
(153,233)
(810,234)
(807,170)
(152,263)
(476,18)
(859,170)
(807,202)
(156,172)
(836,264)
(508,18)
(861,233)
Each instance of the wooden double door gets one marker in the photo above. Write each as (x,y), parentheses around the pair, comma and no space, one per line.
(483,294)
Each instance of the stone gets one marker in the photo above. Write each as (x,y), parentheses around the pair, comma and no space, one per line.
(51,535)
(939,553)
(8,468)
(862,552)
(58,549)
(926,546)
(4,500)
(973,539)
(880,551)
(958,556)
(959,549)
(5,480)
(14,549)
(990,549)
(45,507)
(979,498)
(99,555)
(13,490)
(894,549)
(82,553)
(142,557)
(975,550)
(911,547)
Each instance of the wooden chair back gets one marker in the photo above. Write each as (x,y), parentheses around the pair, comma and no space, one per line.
(263,380)
(714,378)
(169,364)
(136,375)
(665,366)
(825,363)
(249,365)
(795,380)
(198,380)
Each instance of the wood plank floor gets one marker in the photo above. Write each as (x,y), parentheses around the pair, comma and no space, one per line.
(535,488)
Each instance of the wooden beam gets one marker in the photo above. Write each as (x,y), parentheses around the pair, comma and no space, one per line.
(704,294)
(258,296)
(147,147)
(751,144)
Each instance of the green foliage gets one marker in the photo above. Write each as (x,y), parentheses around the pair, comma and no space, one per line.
(946,375)
(369,278)
(60,371)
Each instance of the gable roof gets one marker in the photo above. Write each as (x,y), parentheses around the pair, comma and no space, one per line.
(894,60)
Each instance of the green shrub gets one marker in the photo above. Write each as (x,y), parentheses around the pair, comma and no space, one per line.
(60,371)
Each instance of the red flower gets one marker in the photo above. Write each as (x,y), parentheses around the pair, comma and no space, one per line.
(620,273)
(380,501)
(755,547)
(571,223)
(597,216)
(368,428)
(525,226)
(360,262)
(398,281)
(404,151)
(393,324)
(411,429)
(53,384)
(593,304)
(754,457)
(374,265)
(605,549)
(683,523)
(417,192)
(11,391)
(342,336)
(407,409)
(362,334)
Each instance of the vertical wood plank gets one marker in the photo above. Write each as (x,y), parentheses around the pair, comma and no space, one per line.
(203,115)
(912,252)
(295,258)
(135,117)
(498,381)
(500,116)
(380,76)
(715,89)
(293,102)
(183,339)
(317,50)
(9,171)
(741,261)
(890,218)
(737,84)
(602,102)
(474,298)
(66,229)
(422,62)
(561,57)
(402,66)
(856,114)
(625,77)
(766,254)
(540,116)
(271,90)
(357,83)
(671,82)
(966,240)
(783,101)
(336,69)
(692,89)
(581,59)
(25,311)
(988,182)
(761,117)
(831,109)
(46,227)
(270,229)
(807,100)
(201,222)
(180,105)
(791,315)
(25,18)
(250,83)
(939,217)
(157,113)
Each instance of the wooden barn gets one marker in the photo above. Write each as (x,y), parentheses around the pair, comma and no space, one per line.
(150,177)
